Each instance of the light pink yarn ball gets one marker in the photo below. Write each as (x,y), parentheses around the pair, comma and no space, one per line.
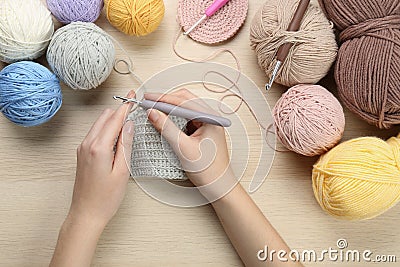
(309,120)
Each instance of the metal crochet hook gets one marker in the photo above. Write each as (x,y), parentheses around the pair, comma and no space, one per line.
(178,111)
(284,49)
(211,10)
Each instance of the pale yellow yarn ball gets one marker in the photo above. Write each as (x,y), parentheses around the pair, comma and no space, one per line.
(135,17)
(314,50)
(359,179)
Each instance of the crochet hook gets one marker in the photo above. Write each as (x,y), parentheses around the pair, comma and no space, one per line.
(211,10)
(284,49)
(178,111)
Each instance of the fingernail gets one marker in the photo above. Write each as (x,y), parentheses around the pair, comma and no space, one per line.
(131,93)
(129,127)
(153,115)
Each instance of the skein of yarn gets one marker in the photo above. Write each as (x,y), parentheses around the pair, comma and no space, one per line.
(26,28)
(314,49)
(81,55)
(359,179)
(367,72)
(135,17)
(67,11)
(30,94)
(309,120)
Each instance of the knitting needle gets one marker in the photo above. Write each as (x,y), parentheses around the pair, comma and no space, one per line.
(284,49)
(211,10)
(178,111)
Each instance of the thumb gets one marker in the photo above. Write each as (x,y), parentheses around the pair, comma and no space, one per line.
(167,128)
(124,149)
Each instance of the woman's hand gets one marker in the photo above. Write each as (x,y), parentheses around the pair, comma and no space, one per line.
(102,173)
(202,151)
(207,163)
(101,180)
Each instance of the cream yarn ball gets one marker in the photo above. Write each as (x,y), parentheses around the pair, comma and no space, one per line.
(26,28)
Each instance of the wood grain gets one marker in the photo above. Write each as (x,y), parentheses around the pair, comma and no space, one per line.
(37,169)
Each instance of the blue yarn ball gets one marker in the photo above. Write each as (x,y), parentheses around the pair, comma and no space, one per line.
(30,94)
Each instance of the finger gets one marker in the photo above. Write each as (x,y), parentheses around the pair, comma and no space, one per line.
(182,93)
(166,98)
(185,93)
(168,129)
(98,125)
(114,124)
(124,150)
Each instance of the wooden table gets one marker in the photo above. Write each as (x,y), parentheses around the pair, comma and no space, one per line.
(37,170)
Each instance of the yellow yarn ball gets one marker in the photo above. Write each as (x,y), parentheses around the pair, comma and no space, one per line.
(359,179)
(135,17)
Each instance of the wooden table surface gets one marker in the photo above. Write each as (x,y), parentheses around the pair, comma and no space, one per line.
(37,169)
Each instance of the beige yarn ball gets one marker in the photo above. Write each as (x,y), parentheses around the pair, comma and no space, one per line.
(26,28)
(314,49)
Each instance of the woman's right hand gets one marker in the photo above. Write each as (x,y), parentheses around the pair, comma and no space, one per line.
(204,155)
(203,150)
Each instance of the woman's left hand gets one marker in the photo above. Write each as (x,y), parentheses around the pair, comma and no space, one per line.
(101,179)
(102,173)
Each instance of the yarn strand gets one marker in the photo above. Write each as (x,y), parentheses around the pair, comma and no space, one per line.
(228,91)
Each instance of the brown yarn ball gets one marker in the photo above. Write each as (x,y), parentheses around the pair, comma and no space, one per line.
(367,71)
(345,13)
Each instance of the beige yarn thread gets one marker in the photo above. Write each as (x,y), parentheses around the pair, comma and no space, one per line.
(314,49)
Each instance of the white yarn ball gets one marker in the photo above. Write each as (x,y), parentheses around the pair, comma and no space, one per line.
(26,28)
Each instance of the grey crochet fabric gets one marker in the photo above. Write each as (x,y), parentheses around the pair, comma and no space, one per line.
(152,156)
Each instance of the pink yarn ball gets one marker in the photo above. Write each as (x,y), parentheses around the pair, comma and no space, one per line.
(309,120)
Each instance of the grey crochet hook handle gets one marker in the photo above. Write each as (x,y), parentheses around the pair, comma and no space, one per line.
(186,113)
(180,112)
